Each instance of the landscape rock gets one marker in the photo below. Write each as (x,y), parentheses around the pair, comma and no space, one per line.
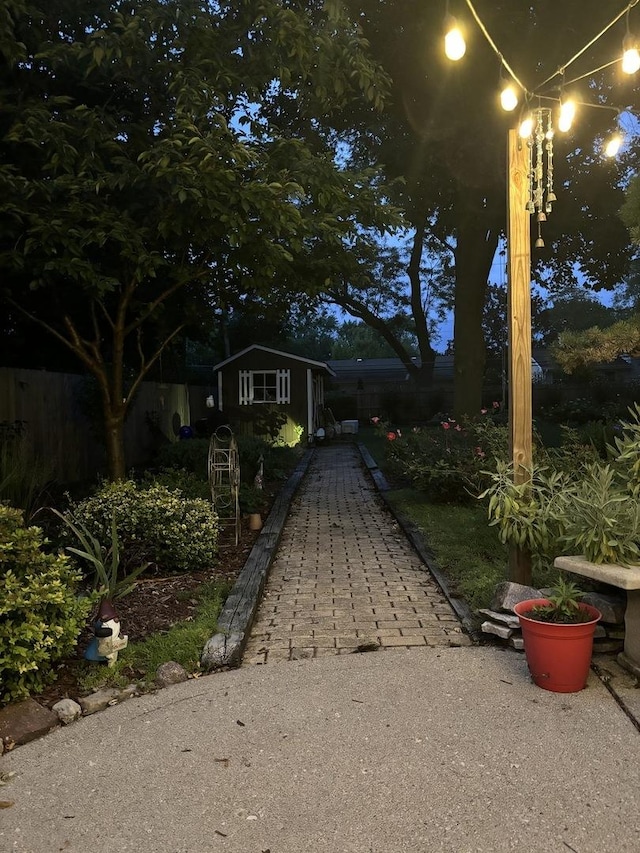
(612,607)
(99,700)
(129,691)
(517,643)
(67,711)
(509,619)
(507,594)
(169,673)
(502,631)
(25,721)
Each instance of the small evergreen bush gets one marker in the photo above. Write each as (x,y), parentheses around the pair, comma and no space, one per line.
(40,614)
(154,524)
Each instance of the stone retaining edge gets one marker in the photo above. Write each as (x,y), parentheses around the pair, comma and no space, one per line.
(417,540)
(226,647)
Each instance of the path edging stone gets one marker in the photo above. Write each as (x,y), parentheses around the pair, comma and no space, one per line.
(226,647)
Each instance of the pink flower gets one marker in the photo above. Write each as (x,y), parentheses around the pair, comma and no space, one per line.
(480,452)
(445,425)
(483,411)
(375,420)
(391,436)
(458,428)
(495,405)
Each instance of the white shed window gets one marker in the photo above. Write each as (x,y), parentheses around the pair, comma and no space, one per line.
(265,386)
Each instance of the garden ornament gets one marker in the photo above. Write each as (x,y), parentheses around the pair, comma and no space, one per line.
(107,641)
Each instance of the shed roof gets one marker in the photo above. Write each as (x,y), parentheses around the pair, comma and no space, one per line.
(319,365)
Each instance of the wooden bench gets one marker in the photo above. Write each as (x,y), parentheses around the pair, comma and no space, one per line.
(627,578)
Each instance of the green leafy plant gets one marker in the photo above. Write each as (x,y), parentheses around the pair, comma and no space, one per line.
(41,615)
(189,483)
(251,499)
(531,514)
(602,518)
(446,461)
(574,503)
(563,607)
(154,524)
(105,561)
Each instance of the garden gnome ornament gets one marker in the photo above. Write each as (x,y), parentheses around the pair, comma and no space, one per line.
(107,641)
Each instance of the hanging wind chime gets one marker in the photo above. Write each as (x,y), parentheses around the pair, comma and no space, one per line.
(540,144)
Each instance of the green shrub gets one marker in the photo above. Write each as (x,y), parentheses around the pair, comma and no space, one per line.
(190,455)
(40,614)
(191,485)
(277,459)
(153,524)
(446,462)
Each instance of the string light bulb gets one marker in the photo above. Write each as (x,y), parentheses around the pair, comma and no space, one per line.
(454,43)
(567,114)
(509,98)
(526,127)
(630,53)
(613,145)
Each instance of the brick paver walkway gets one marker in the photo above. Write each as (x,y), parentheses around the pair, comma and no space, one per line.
(345,577)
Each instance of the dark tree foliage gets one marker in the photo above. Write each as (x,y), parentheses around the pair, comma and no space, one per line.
(445,135)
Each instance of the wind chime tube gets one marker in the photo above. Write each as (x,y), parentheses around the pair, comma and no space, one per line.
(538,192)
(551,196)
(541,194)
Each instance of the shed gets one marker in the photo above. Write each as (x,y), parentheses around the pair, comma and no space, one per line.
(272,394)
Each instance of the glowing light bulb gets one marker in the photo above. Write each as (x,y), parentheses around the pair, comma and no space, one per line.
(454,43)
(526,127)
(509,98)
(567,114)
(613,145)
(631,60)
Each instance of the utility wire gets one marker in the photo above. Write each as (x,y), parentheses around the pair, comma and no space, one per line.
(504,62)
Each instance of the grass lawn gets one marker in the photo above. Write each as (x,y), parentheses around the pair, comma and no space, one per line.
(466,549)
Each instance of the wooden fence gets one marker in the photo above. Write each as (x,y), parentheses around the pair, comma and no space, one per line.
(60,428)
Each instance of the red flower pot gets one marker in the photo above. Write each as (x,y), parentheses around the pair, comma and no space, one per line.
(558,655)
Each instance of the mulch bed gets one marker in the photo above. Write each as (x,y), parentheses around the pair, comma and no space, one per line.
(157,603)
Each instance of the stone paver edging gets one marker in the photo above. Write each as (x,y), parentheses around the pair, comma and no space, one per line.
(234,623)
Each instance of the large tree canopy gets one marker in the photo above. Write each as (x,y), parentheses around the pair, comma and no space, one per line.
(142,178)
(445,136)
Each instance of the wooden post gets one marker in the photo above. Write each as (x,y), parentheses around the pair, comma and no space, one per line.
(519,320)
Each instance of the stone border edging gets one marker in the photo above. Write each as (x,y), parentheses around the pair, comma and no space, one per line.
(417,540)
(234,623)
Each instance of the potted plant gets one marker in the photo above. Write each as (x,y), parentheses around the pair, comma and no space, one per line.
(558,638)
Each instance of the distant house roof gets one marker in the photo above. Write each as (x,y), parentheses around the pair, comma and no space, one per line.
(369,369)
(320,365)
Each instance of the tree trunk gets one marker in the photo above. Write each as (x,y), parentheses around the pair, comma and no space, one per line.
(114,437)
(476,244)
(423,376)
